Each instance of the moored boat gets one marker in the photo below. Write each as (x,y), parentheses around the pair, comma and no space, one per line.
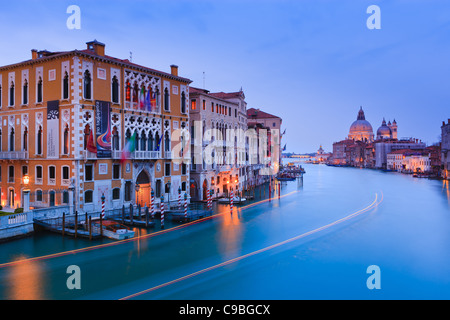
(113,229)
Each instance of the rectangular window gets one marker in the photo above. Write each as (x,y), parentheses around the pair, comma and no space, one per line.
(193,104)
(116,171)
(167,169)
(89,172)
(212,106)
(127,191)
(204,103)
(51,175)
(24,171)
(183,168)
(11,174)
(116,194)
(88,196)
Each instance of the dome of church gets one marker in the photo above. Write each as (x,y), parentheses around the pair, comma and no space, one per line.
(361,129)
(384,132)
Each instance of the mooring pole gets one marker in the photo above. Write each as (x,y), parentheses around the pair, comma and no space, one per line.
(162,212)
(90,228)
(76,223)
(63,223)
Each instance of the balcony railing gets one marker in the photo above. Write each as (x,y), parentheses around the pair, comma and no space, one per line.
(138,155)
(168,154)
(13,155)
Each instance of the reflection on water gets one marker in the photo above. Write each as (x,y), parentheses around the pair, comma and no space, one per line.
(230,234)
(25,281)
(446,189)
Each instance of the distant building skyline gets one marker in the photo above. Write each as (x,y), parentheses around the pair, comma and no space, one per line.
(310,62)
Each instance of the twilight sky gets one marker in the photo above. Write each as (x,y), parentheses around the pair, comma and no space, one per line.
(311,62)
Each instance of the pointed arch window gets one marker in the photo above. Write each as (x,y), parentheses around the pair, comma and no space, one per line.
(128,92)
(167,141)
(87,85)
(66,140)
(87,132)
(39,91)
(183,102)
(11,94)
(66,86)
(115,90)
(11,140)
(39,140)
(115,139)
(25,139)
(25,92)
(166,100)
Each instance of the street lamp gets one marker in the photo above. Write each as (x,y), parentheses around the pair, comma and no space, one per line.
(26,179)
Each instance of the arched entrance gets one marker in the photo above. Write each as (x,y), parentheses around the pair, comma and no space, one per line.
(143,189)
(193,189)
(205,190)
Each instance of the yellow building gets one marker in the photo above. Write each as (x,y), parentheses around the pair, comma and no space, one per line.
(66,119)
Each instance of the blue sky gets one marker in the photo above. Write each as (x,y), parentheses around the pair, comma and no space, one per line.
(312,62)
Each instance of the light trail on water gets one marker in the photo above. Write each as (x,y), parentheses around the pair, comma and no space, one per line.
(373,205)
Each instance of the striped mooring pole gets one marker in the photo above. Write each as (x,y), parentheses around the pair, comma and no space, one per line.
(162,212)
(152,205)
(185,206)
(208,199)
(179,198)
(231,201)
(103,206)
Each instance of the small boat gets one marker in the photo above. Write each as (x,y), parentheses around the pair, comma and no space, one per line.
(113,229)
(235,200)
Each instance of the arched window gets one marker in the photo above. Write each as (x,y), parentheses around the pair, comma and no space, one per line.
(25,93)
(66,86)
(87,85)
(115,139)
(87,132)
(150,142)
(143,142)
(136,141)
(11,140)
(167,141)
(115,90)
(39,140)
(39,91)
(128,92)
(166,100)
(66,140)
(25,139)
(157,145)
(135,95)
(11,94)
(183,102)
(0,96)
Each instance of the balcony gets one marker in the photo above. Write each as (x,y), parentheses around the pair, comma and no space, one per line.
(13,155)
(138,155)
(168,155)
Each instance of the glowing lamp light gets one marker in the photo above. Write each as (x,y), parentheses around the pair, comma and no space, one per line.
(26,179)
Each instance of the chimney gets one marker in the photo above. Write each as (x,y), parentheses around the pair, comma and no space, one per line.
(96,47)
(174,70)
(34,54)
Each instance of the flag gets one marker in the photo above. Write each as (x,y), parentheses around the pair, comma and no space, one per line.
(153,101)
(284,148)
(283,132)
(130,147)
(159,144)
(91,146)
(142,98)
(148,105)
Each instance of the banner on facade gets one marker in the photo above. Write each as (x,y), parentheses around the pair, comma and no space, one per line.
(103,129)
(53,129)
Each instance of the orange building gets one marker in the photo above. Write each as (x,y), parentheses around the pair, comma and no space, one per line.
(66,120)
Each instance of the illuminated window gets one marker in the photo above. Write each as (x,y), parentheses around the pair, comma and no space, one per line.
(194,104)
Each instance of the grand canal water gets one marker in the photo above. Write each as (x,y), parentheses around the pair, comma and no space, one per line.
(338,222)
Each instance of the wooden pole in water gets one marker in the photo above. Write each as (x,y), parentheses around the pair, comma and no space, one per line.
(146,216)
(131,213)
(63,223)
(123,213)
(76,223)
(85,221)
(139,212)
(90,228)
(101,225)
